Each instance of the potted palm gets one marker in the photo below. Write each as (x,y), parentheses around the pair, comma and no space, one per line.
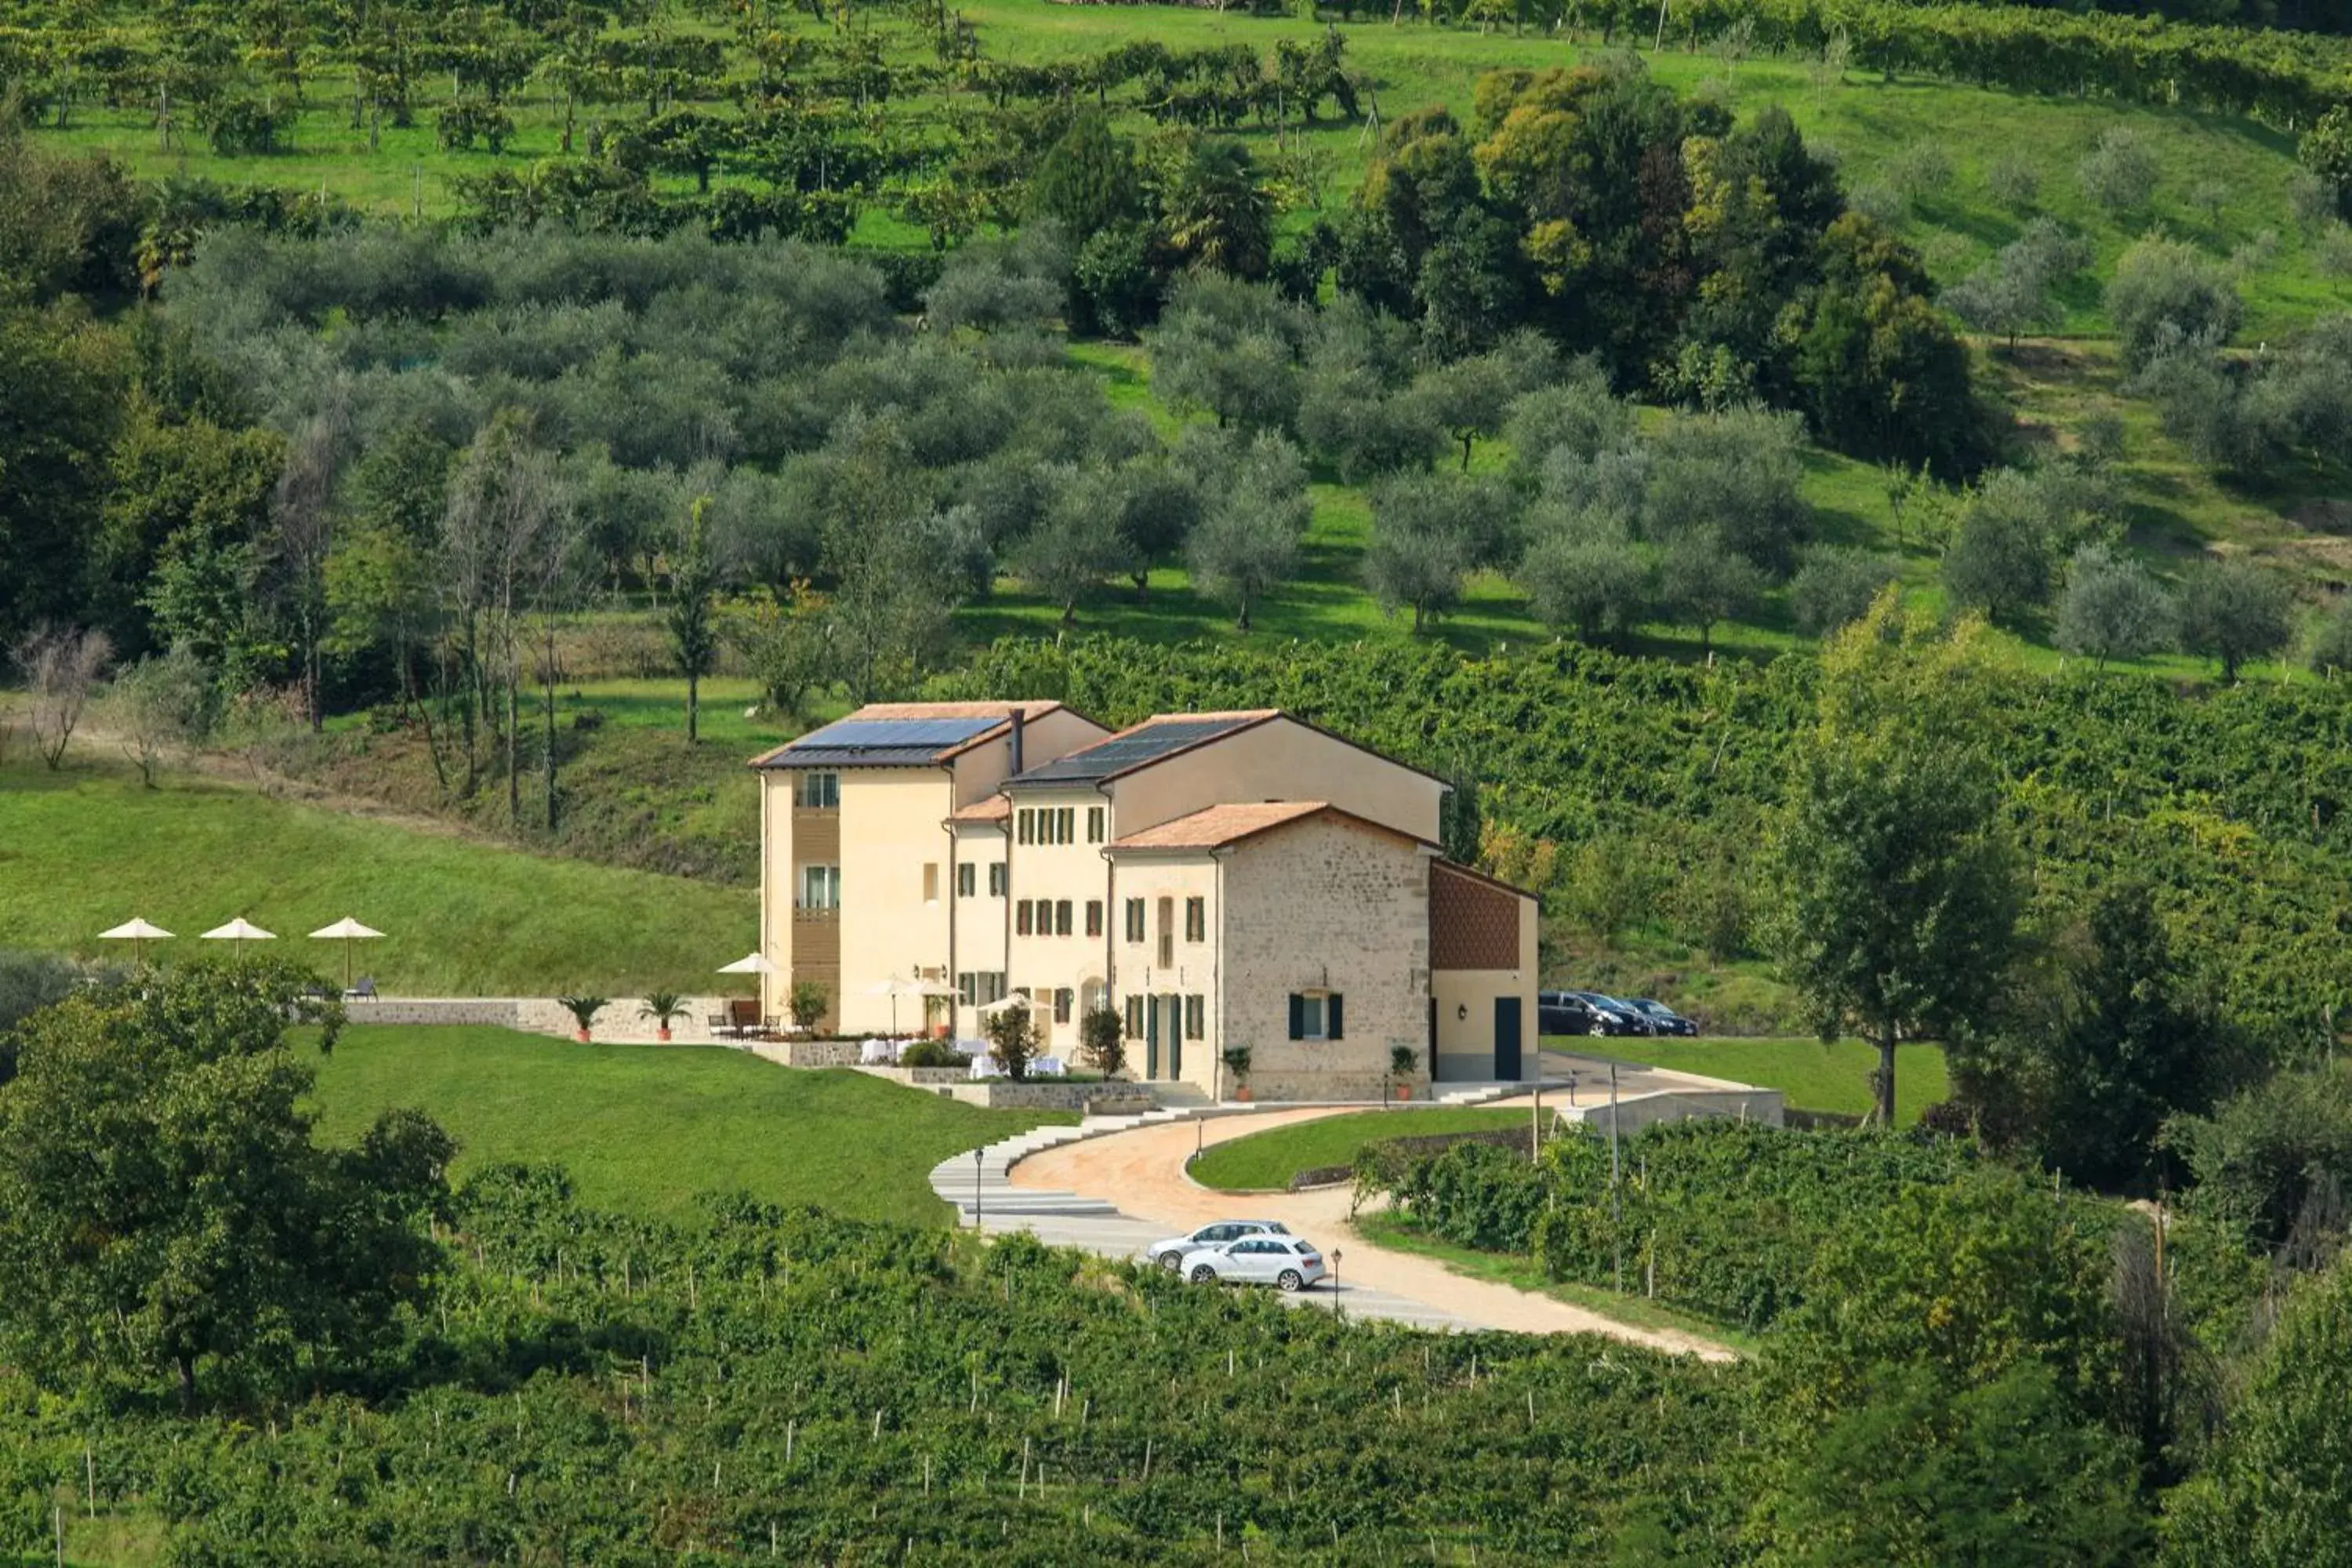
(806,1004)
(1401,1062)
(1237,1062)
(664,1008)
(584,1011)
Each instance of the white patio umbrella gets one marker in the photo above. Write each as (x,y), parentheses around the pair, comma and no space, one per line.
(749,963)
(893,987)
(137,932)
(1004,1003)
(239,931)
(346,931)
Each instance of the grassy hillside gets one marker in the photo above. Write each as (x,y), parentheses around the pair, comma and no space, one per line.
(2225,184)
(644,1129)
(87,848)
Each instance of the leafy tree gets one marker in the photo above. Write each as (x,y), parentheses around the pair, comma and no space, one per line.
(2004,551)
(179,545)
(1159,507)
(2325,149)
(28,983)
(1834,584)
(61,395)
(1578,415)
(2119,173)
(1583,573)
(1734,476)
(891,555)
(783,641)
(1247,541)
(2091,1063)
(692,618)
(1876,369)
(2016,289)
(1429,532)
(60,668)
(2233,610)
(2278,1491)
(1701,582)
(2331,644)
(1898,892)
(1474,395)
(160,706)
(1087,181)
(1215,212)
(164,1209)
(2275,1158)
(2112,607)
(1078,541)
(1920,1473)
(2163,293)
(1230,348)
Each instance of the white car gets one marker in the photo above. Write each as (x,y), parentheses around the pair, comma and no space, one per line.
(1288,1261)
(1170,1254)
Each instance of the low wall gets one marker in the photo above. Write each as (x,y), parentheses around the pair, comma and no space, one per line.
(1372,1087)
(622,1021)
(1762,1105)
(919,1078)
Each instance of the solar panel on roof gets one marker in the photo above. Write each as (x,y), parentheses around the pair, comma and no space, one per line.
(1121,751)
(896,734)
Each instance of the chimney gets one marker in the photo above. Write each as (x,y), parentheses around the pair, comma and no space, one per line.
(1020,717)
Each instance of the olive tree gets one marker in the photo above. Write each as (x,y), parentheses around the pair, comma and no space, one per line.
(2233,611)
(2112,608)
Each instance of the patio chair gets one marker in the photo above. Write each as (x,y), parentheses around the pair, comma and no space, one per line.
(744,1019)
(718,1025)
(362,989)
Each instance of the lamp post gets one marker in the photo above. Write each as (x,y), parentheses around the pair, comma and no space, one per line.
(976,1154)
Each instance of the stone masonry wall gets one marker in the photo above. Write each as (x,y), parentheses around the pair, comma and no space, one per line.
(1325,905)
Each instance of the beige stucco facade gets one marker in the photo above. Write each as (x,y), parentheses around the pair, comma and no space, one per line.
(1232,880)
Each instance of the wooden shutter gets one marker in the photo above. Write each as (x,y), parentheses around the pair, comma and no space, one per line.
(1297,1016)
(1332,1017)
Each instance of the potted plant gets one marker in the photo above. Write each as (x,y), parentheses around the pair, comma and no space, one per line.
(1402,1059)
(1013,1040)
(665,1009)
(1102,1041)
(584,1011)
(806,1004)
(1237,1062)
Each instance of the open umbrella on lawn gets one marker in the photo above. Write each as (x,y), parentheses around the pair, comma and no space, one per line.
(138,933)
(751,963)
(239,931)
(346,931)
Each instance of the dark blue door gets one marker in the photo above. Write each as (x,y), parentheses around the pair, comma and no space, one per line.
(1152,1037)
(1507,1039)
(1175,1037)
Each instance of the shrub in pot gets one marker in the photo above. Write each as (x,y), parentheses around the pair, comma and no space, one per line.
(1237,1062)
(1401,1062)
(664,1008)
(584,1011)
(1102,1041)
(806,1004)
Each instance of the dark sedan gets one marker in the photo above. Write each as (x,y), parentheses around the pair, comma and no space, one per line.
(1663,1019)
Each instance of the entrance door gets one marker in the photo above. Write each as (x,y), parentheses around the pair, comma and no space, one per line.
(1507,1039)
(1151,1039)
(1175,1028)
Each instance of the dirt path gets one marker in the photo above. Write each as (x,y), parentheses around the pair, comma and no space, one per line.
(1143,1172)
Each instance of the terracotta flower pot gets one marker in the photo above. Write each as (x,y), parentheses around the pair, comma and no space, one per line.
(662,1034)
(1243,1094)
(1404,1091)
(583,1036)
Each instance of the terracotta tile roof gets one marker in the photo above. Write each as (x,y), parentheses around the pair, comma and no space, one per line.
(993,808)
(1215,825)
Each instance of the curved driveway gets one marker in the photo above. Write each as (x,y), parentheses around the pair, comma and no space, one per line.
(1142,1172)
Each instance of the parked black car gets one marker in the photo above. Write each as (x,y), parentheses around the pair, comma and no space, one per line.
(1564,1012)
(1663,1019)
(1617,1017)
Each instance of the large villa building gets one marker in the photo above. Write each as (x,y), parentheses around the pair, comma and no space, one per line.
(1217,880)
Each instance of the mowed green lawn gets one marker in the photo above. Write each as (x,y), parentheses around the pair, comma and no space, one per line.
(644,1129)
(1812,1075)
(88,848)
(1272,1158)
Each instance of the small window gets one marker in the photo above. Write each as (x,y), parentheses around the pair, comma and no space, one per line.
(1167,934)
(991,986)
(1094,917)
(817,792)
(1196,1020)
(1061,917)
(967,879)
(1065,820)
(1025,827)
(1098,818)
(931,881)
(1314,1015)
(996,879)
(1021,917)
(1135,1018)
(820,887)
(968,988)
(1135,920)
(1196,920)
(1062,1005)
